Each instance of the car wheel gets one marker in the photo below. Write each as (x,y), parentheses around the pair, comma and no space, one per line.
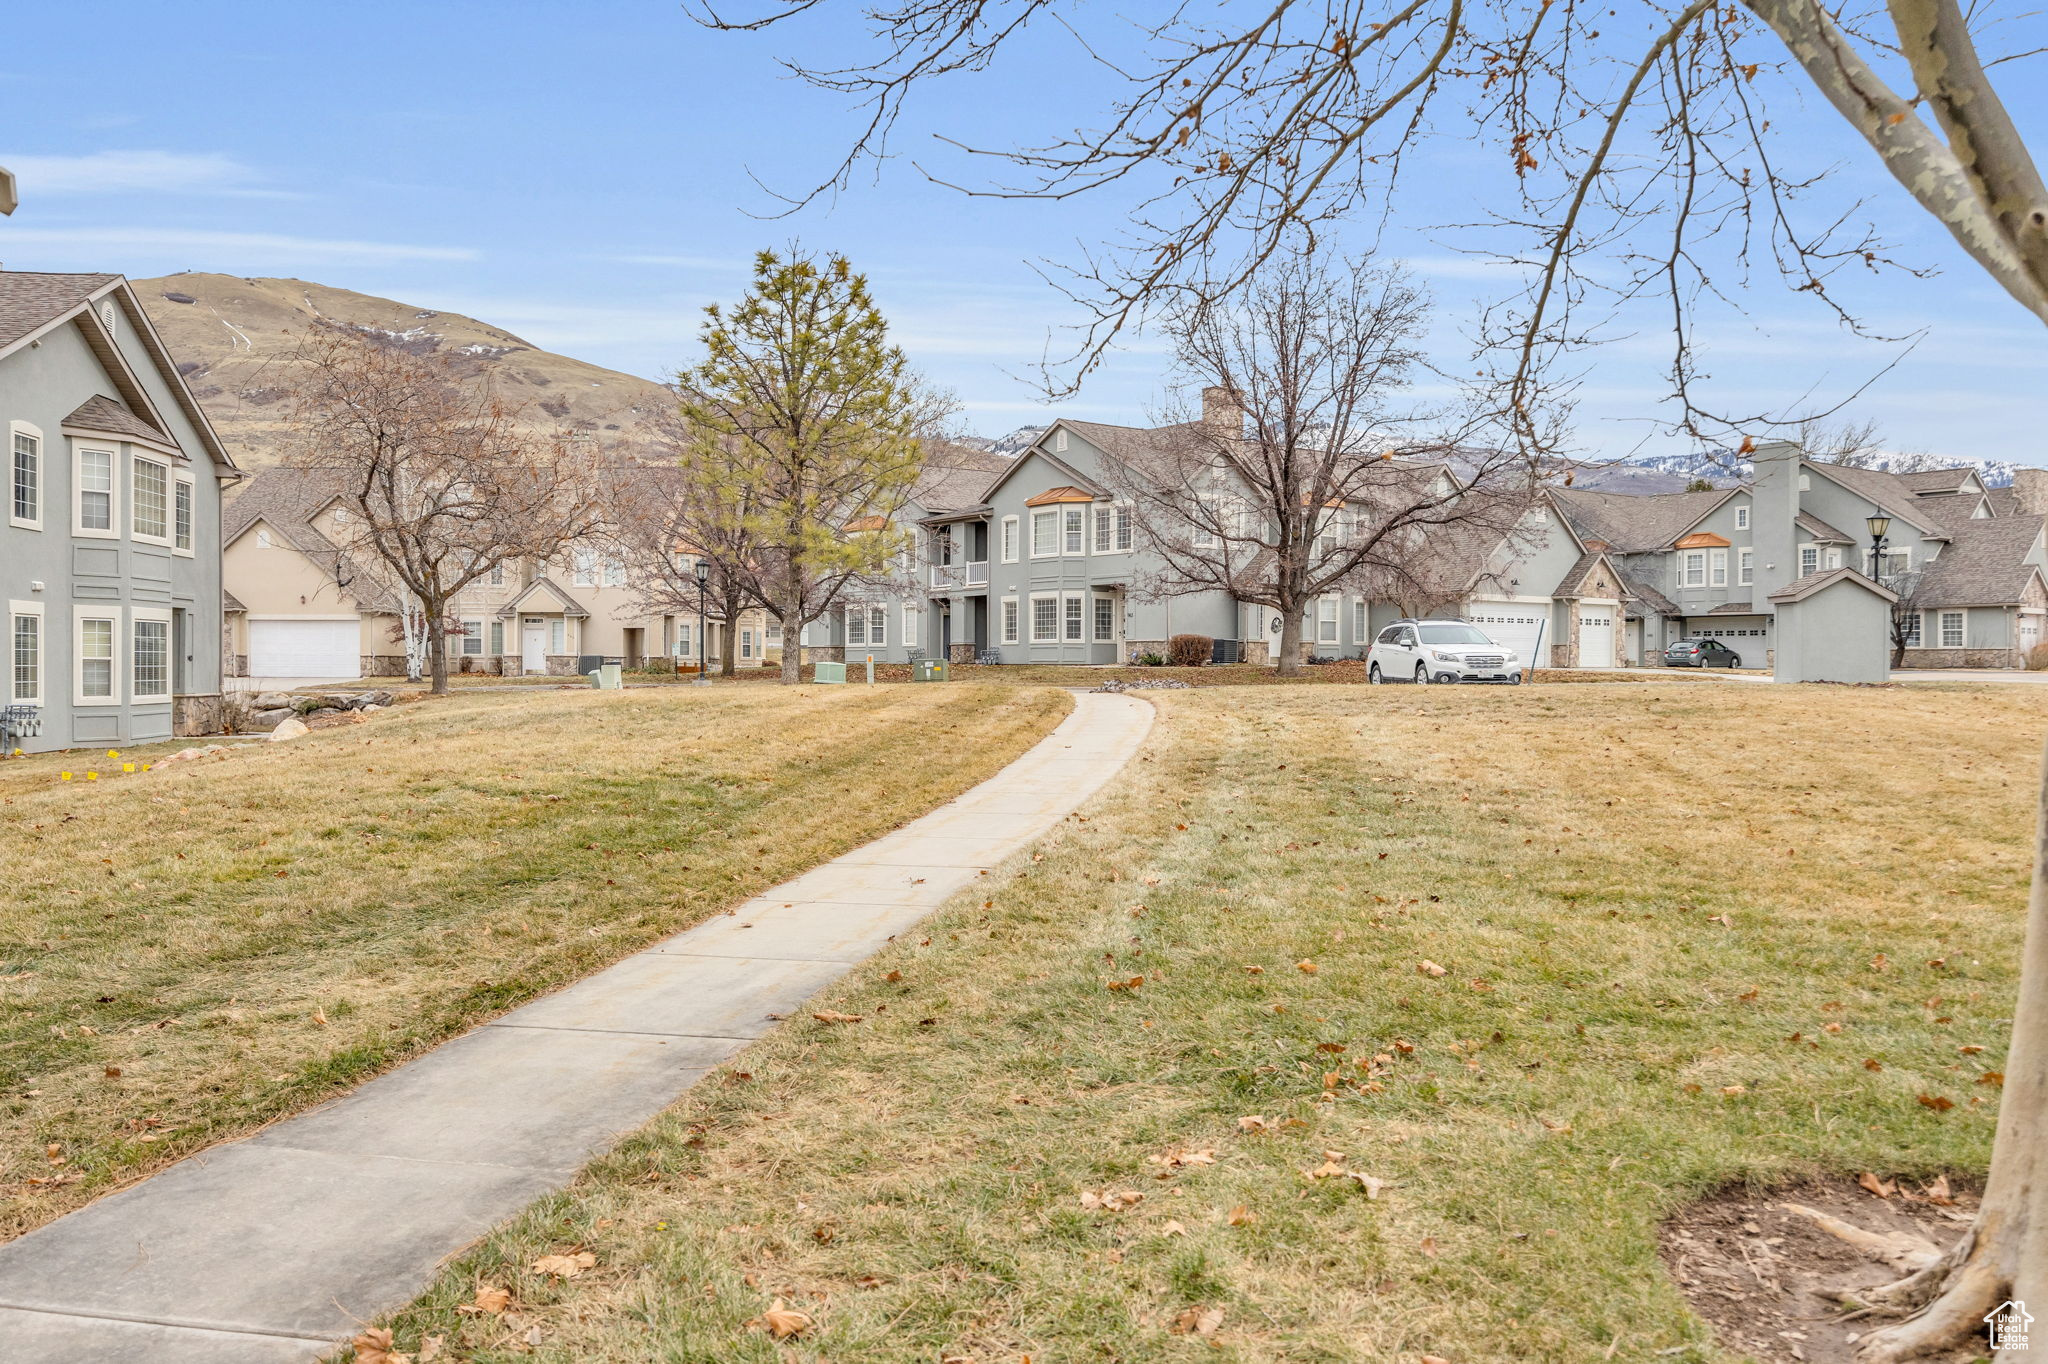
(1514,679)
(1372,675)
(1422,674)
(1734,660)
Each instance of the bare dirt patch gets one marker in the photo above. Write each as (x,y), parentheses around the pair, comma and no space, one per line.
(1778,1288)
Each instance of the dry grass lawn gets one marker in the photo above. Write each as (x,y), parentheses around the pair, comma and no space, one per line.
(193,951)
(1686,937)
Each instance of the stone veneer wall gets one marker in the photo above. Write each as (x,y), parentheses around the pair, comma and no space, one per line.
(191,715)
(1962,658)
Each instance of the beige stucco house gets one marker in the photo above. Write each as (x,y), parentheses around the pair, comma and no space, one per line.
(301,606)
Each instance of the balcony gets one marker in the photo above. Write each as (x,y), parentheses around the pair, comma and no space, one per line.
(950,577)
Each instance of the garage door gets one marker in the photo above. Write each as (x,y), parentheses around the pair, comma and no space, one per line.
(304,648)
(1513,625)
(1596,636)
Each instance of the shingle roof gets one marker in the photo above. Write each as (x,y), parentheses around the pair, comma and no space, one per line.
(1807,586)
(230,602)
(1984,564)
(101,413)
(286,500)
(1888,491)
(2004,501)
(956,477)
(1733,608)
(1937,480)
(30,298)
(1645,599)
(1575,576)
(1821,531)
(1636,523)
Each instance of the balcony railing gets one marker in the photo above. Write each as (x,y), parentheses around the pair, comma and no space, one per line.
(948,576)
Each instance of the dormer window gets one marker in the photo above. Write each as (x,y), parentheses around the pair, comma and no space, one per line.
(1742,518)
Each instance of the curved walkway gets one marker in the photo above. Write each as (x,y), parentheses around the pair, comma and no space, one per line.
(273,1249)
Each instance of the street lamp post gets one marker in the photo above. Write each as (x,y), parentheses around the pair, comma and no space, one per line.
(703,654)
(1877,525)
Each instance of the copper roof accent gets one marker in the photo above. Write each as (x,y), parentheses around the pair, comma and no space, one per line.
(1703,539)
(868,523)
(1060,494)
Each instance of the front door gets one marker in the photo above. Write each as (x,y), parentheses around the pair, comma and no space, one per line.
(533,646)
(1274,622)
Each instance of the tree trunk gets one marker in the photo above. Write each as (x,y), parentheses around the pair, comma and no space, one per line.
(728,653)
(437,654)
(2005,1254)
(792,653)
(1290,642)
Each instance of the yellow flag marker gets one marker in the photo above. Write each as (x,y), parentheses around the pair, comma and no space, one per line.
(92,776)
(65,775)
(127,767)
(113,753)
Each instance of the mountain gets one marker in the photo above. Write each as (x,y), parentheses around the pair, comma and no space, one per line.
(229,336)
(1016,443)
(1722,467)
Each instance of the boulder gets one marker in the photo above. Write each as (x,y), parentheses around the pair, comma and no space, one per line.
(289,729)
(369,706)
(272,700)
(267,719)
(371,700)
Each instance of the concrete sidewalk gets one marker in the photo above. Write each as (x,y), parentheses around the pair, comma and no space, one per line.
(274,1249)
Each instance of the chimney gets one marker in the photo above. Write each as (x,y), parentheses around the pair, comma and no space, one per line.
(1223,412)
(2030,487)
(1777,467)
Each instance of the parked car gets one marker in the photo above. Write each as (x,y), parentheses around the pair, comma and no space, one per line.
(1700,653)
(1439,651)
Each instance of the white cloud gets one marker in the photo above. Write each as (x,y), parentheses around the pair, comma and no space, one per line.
(684,262)
(233,251)
(120,172)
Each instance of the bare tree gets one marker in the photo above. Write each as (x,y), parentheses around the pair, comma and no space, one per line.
(665,522)
(441,483)
(1641,137)
(1905,617)
(1312,467)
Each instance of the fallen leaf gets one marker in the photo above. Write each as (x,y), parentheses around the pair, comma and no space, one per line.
(1938,1193)
(320,1017)
(1992,1077)
(1173,1228)
(1111,1200)
(1198,1321)
(1133,983)
(1872,1063)
(1939,1103)
(829,1016)
(1242,1216)
(1307,968)
(1734,1091)
(1429,968)
(1429,1246)
(564,1266)
(781,1321)
(491,1299)
(1872,1184)
(1255,970)
(430,1350)
(373,1346)
(1253,1123)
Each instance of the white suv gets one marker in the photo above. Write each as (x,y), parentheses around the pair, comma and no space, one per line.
(1439,651)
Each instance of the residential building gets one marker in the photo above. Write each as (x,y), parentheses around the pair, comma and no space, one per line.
(309,608)
(110,552)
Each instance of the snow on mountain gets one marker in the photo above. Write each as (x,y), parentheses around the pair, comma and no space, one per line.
(1722,467)
(1015,443)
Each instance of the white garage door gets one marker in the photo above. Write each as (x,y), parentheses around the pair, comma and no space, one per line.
(1596,636)
(304,648)
(1520,626)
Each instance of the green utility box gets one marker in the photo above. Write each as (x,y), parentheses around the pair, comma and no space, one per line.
(931,670)
(828,672)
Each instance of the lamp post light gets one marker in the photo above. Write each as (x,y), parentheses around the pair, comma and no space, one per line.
(703,627)
(1877,526)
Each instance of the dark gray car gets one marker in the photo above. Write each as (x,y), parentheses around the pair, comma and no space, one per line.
(1701,653)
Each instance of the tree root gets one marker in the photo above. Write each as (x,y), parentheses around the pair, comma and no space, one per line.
(1966,1292)
(1902,1250)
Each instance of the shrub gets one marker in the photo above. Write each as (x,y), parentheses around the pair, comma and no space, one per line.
(1149,660)
(1190,651)
(2037,658)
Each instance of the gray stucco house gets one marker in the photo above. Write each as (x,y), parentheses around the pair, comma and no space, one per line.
(110,553)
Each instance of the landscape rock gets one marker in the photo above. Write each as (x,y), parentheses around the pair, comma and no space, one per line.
(289,729)
(1146,684)
(269,718)
(272,700)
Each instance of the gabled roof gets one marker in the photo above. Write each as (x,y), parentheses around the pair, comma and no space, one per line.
(1646,600)
(1938,481)
(868,523)
(29,300)
(1574,580)
(1636,523)
(1984,564)
(1038,451)
(1061,494)
(544,590)
(1702,539)
(956,477)
(106,416)
(1821,582)
(287,500)
(1885,491)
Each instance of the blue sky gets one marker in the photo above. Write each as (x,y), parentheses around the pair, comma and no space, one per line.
(585,175)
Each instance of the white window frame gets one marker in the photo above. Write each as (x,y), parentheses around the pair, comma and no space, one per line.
(856,622)
(1717,568)
(1112,531)
(1834,557)
(472,635)
(558,635)
(112,530)
(1207,509)
(1692,568)
(1806,553)
(495,639)
(911,633)
(1059,441)
(1328,617)
(21,610)
(1742,518)
(1361,622)
(136,464)
(151,615)
(1904,554)
(18,431)
(1073,618)
(1049,516)
(1012,619)
(1036,636)
(1962,628)
(1914,629)
(1012,539)
(185,499)
(614,570)
(1073,529)
(583,568)
(746,642)
(878,626)
(115,669)
(1101,622)
(1745,567)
